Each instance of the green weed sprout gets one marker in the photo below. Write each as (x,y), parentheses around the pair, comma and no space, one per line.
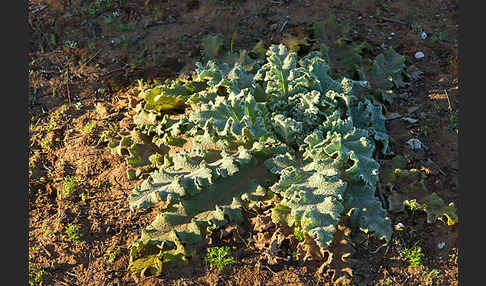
(413,255)
(219,256)
(299,234)
(73,232)
(70,184)
(36,274)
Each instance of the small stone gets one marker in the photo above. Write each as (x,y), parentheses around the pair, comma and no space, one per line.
(414,144)
(399,226)
(423,35)
(410,120)
(419,55)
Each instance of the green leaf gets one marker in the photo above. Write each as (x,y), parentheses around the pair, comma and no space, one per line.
(170,96)
(237,119)
(366,211)
(212,47)
(370,117)
(345,143)
(436,209)
(198,199)
(281,74)
(386,73)
(310,197)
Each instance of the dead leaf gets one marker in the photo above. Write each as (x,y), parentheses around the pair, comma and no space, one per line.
(308,250)
(338,266)
(261,223)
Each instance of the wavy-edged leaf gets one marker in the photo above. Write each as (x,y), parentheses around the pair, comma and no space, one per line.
(212,47)
(370,117)
(385,73)
(345,143)
(237,119)
(310,198)
(366,211)
(436,208)
(201,200)
(281,74)
(171,95)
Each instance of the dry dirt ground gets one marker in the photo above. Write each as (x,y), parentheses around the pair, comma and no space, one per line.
(84,59)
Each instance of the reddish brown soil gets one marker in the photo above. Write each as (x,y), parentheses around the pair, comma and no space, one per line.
(84,69)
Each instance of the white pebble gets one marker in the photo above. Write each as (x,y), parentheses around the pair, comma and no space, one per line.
(423,35)
(414,144)
(399,226)
(410,120)
(419,55)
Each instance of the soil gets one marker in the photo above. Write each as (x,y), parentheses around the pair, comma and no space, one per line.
(84,61)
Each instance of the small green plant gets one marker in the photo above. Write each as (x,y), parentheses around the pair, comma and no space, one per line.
(69,184)
(430,276)
(414,206)
(48,232)
(125,27)
(388,282)
(438,38)
(91,47)
(158,13)
(299,234)
(366,243)
(453,256)
(233,41)
(46,142)
(53,40)
(413,255)
(424,131)
(73,233)
(98,6)
(71,44)
(36,274)
(453,121)
(108,19)
(113,253)
(294,254)
(52,120)
(219,256)
(89,127)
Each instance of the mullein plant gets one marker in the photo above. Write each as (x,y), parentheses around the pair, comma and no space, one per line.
(271,125)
